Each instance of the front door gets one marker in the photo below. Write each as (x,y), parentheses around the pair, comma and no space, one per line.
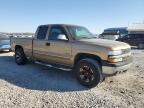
(58,50)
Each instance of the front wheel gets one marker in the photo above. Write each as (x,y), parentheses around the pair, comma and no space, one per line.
(20,57)
(88,72)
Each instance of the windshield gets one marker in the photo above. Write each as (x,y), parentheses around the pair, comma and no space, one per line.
(80,32)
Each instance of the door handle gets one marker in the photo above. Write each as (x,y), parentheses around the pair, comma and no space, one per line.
(47,44)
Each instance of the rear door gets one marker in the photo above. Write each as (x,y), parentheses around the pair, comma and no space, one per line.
(140,39)
(39,43)
(134,38)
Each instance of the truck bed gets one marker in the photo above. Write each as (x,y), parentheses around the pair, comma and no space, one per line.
(25,43)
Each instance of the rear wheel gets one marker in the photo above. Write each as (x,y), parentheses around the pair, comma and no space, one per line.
(88,72)
(20,57)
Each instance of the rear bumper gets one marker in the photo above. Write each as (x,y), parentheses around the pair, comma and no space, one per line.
(112,69)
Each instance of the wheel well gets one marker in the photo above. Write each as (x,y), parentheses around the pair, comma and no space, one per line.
(18,47)
(83,56)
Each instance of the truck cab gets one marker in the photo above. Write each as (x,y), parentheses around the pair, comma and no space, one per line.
(52,44)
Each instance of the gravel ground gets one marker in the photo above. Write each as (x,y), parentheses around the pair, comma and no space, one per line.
(37,86)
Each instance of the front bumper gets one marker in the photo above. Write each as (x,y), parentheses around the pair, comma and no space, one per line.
(112,69)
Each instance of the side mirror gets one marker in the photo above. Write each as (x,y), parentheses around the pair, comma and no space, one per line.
(62,37)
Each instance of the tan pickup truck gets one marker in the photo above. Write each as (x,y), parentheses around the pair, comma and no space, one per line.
(74,47)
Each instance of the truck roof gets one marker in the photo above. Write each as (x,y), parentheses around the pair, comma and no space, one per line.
(59,24)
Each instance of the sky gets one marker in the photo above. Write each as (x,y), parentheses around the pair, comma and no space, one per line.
(96,15)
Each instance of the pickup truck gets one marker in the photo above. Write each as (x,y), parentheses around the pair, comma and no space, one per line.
(74,47)
(135,39)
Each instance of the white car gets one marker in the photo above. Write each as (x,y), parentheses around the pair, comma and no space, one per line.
(4,42)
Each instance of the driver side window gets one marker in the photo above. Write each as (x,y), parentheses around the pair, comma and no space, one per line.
(55,32)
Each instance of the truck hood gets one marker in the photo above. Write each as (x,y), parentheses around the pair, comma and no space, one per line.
(113,45)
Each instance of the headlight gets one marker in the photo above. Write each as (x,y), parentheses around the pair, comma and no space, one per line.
(117,52)
(113,56)
(114,60)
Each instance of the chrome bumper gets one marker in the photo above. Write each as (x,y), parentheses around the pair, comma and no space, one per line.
(107,70)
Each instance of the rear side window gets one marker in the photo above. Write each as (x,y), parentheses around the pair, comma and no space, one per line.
(42,31)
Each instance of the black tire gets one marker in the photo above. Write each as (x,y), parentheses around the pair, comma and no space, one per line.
(93,73)
(20,57)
